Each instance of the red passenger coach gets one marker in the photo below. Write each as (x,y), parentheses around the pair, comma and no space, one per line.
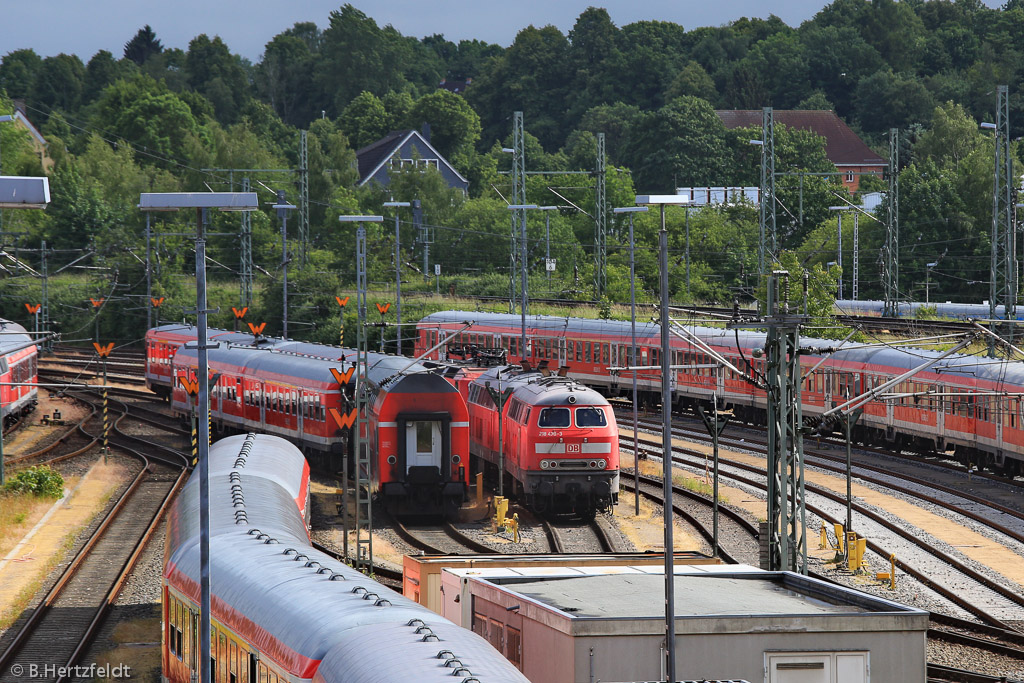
(560,439)
(18,368)
(417,424)
(163,342)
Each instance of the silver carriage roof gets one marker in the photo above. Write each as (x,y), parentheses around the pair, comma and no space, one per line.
(263,566)
(959,367)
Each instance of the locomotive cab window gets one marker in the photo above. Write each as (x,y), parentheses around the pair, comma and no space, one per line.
(554,417)
(590,417)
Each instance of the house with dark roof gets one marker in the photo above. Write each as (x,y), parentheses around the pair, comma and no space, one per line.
(851,156)
(400,149)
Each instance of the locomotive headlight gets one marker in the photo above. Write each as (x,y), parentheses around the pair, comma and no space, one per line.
(544,464)
(601,464)
(593,463)
(456,459)
(392,460)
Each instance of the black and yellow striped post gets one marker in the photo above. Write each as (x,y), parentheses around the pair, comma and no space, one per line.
(195,440)
(106,421)
(103,352)
(342,303)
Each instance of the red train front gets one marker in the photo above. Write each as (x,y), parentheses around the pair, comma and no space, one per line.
(559,437)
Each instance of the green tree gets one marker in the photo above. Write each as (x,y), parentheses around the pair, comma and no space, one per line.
(681,144)
(364,120)
(59,84)
(18,71)
(953,136)
(142,46)
(284,78)
(217,74)
(145,114)
(358,56)
(454,126)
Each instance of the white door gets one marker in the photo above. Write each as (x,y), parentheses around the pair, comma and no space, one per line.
(809,668)
(422,444)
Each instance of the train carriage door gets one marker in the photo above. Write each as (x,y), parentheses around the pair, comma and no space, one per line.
(423,444)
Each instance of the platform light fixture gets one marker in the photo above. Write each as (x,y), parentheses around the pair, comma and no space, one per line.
(632,326)
(663,200)
(202,202)
(398,273)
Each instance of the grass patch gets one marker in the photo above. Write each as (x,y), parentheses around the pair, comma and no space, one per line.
(17,511)
(26,594)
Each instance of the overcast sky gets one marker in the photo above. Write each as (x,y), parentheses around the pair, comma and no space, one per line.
(83,28)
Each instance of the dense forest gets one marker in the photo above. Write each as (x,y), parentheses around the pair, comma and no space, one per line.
(157,118)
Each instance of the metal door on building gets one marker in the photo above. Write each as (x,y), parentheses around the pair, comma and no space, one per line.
(817,667)
(423,444)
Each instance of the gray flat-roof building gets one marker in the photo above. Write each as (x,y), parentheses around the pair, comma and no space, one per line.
(732,622)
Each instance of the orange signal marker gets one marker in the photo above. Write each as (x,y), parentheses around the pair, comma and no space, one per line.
(257,329)
(96,303)
(157,302)
(342,302)
(342,377)
(240,312)
(383,309)
(191,386)
(33,308)
(343,421)
(104,349)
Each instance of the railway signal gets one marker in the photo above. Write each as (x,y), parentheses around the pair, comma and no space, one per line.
(32,308)
(343,378)
(157,301)
(256,330)
(343,421)
(103,350)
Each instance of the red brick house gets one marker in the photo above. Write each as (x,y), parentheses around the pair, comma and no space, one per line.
(844,148)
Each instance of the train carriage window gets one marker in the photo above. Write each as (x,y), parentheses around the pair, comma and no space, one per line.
(590,417)
(171,618)
(579,351)
(655,356)
(252,668)
(586,352)
(554,417)
(222,657)
(604,354)
(233,664)
(264,675)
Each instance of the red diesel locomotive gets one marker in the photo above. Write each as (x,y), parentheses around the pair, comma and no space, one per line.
(417,424)
(559,438)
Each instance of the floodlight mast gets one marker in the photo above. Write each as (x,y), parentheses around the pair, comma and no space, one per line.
(201,202)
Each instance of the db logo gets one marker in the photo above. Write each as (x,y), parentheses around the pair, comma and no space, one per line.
(572,448)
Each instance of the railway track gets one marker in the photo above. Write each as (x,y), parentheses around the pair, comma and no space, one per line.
(1001,518)
(989,639)
(62,626)
(444,539)
(566,536)
(966,575)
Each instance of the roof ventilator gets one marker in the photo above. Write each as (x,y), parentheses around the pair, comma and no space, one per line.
(382,602)
(337,576)
(312,562)
(453,662)
(443,654)
(462,671)
(301,557)
(357,589)
(234,477)
(289,551)
(371,596)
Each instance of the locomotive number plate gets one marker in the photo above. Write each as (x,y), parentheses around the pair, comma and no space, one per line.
(549,433)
